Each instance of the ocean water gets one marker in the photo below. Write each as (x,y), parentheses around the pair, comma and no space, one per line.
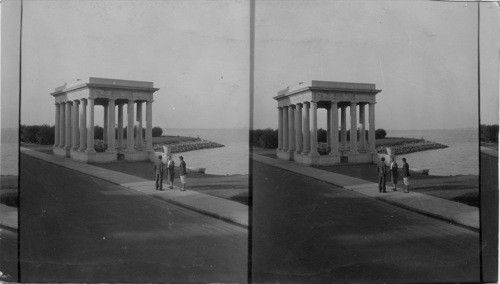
(231,159)
(9,150)
(460,158)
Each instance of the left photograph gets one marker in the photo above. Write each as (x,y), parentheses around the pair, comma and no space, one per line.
(133,132)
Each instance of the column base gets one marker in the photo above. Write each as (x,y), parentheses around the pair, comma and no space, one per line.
(59,152)
(93,156)
(285,155)
(315,159)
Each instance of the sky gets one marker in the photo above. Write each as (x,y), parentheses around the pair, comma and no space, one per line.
(195,52)
(421,54)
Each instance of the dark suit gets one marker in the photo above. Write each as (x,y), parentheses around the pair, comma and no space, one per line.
(382,172)
(158,169)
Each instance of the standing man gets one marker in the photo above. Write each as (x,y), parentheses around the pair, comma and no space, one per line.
(158,171)
(183,173)
(171,171)
(382,171)
(406,175)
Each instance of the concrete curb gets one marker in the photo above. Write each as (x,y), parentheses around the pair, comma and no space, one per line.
(209,205)
(461,214)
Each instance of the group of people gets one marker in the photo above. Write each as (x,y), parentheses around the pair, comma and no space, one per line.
(393,170)
(160,167)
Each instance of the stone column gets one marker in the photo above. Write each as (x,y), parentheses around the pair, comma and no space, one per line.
(328,127)
(139,128)
(334,134)
(280,128)
(343,126)
(298,128)
(90,126)
(62,124)
(67,120)
(371,131)
(285,128)
(130,125)
(111,126)
(83,125)
(120,126)
(306,147)
(314,128)
(75,125)
(149,126)
(56,126)
(362,135)
(291,129)
(354,122)
(105,122)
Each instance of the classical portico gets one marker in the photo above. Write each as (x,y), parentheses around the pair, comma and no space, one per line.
(298,123)
(74,119)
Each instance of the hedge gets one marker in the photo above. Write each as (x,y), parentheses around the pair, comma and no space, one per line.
(489,133)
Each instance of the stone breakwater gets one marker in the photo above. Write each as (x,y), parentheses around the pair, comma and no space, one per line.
(411,147)
(186,146)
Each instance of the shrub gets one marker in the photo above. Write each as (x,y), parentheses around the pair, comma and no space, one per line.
(45,135)
(489,133)
(380,133)
(28,133)
(40,134)
(322,133)
(157,131)
(264,138)
(98,132)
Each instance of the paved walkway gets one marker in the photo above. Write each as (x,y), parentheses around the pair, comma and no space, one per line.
(437,207)
(214,206)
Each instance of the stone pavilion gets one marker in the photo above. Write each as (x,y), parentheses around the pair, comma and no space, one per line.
(74,117)
(298,123)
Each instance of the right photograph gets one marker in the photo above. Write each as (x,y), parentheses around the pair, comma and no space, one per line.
(371,141)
